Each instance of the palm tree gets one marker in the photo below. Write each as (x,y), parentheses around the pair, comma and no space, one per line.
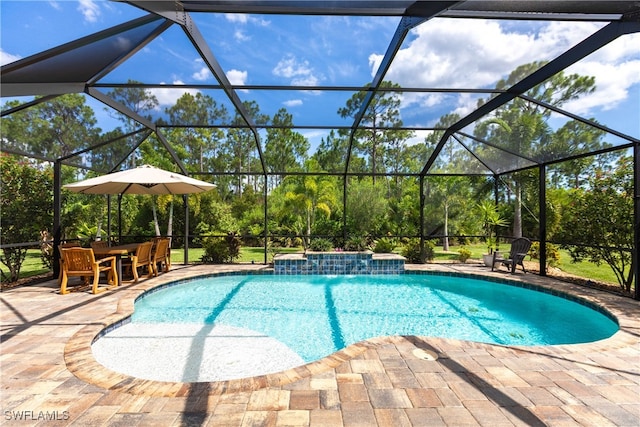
(311,195)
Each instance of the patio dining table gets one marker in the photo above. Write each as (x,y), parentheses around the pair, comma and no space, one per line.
(118,251)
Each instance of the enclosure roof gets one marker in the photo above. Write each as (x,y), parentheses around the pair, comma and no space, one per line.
(93,65)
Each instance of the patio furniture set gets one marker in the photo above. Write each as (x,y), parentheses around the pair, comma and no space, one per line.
(90,263)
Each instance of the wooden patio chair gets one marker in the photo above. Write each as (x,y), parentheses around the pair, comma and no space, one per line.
(81,262)
(161,255)
(141,258)
(99,244)
(519,249)
(65,245)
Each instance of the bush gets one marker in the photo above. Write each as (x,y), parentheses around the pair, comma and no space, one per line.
(357,244)
(384,245)
(321,245)
(219,250)
(215,250)
(553,253)
(464,254)
(234,242)
(411,251)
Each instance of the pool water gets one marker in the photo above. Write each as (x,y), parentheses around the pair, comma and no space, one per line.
(318,315)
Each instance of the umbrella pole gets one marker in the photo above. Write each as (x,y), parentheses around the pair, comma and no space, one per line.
(186,229)
(120,218)
(109,219)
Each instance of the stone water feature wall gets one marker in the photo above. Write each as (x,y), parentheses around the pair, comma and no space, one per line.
(338,263)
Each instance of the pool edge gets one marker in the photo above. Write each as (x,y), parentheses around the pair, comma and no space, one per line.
(81,362)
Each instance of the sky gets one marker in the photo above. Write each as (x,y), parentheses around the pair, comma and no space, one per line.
(337,51)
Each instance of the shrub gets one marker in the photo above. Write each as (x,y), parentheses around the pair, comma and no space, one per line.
(411,251)
(234,242)
(273,249)
(553,254)
(464,254)
(384,245)
(46,249)
(358,244)
(216,250)
(321,245)
(219,250)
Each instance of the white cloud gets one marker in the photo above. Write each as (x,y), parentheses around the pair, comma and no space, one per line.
(290,67)
(616,68)
(477,53)
(419,136)
(293,102)
(241,18)
(169,96)
(203,74)
(237,17)
(7,58)
(237,77)
(89,9)
(241,36)
(300,72)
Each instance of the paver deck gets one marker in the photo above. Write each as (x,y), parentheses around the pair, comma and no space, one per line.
(49,375)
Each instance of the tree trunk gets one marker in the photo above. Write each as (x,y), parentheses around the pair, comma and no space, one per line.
(170,221)
(155,218)
(99,230)
(517,215)
(445,244)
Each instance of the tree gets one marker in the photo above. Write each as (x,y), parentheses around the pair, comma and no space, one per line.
(27,208)
(380,119)
(575,138)
(521,125)
(138,100)
(202,144)
(367,207)
(311,195)
(597,224)
(331,152)
(448,191)
(55,128)
(284,149)
(240,145)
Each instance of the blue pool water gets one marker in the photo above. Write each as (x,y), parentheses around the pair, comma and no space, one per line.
(318,315)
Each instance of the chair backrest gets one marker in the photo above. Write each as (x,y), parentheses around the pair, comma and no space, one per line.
(519,248)
(161,249)
(78,259)
(99,244)
(143,252)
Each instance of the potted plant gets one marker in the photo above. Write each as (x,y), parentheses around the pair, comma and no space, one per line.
(491,219)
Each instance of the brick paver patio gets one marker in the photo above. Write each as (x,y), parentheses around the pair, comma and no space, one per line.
(49,376)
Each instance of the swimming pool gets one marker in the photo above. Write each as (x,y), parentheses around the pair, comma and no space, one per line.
(317,315)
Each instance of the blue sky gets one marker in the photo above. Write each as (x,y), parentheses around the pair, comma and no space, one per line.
(338,51)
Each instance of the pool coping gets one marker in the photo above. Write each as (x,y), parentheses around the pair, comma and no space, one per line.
(80,361)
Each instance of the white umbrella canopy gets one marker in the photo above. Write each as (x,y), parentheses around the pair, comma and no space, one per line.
(144,179)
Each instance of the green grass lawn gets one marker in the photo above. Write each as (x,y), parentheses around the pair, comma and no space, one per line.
(32,265)
(585,269)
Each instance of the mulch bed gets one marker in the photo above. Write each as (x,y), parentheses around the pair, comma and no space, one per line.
(556,273)
(32,280)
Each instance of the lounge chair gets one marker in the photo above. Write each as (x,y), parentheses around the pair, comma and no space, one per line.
(519,249)
(161,255)
(81,262)
(141,258)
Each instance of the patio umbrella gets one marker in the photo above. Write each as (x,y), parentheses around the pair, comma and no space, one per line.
(141,180)
(144,179)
